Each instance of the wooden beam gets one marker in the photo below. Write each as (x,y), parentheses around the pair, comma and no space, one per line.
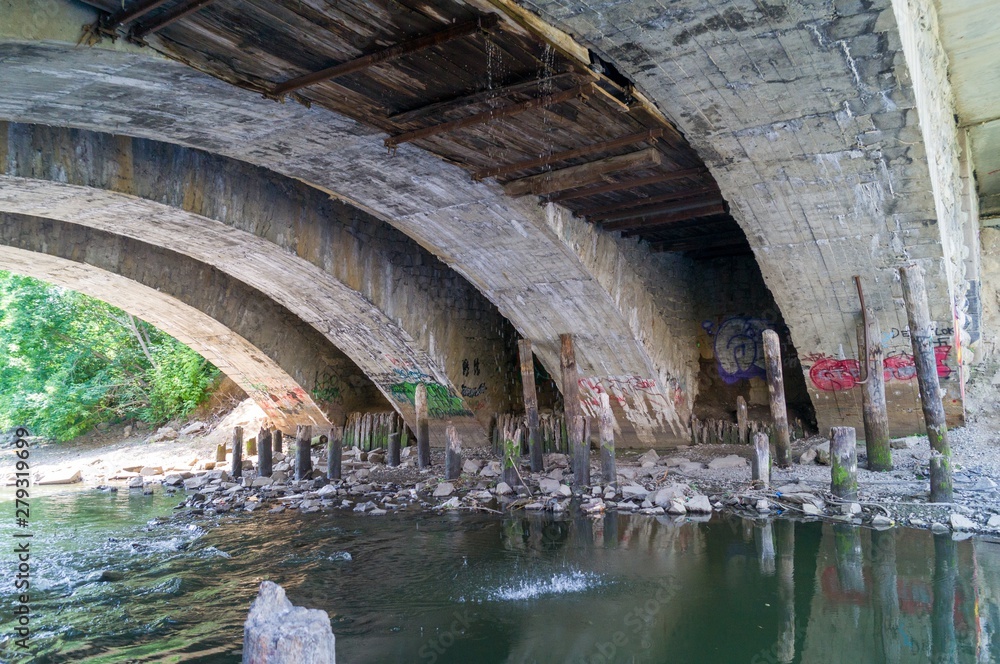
(706,242)
(649,136)
(683,224)
(534,25)
(439,108)
(493,114)
(584,174)
(487,22)
(594,214)
(680,214)
(628,184)
(663,208)
(185,8)
(137,10)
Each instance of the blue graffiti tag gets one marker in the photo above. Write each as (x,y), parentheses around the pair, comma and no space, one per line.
(739,347)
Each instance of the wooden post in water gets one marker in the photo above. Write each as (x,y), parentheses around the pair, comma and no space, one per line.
(423,428)
(530,403)
(885,596)
(843,463)
(922,338)
(776,390)
(236,470)
(785,535)
(874,411)
(580,449)
(264,465)
(609,471)
(276,441)
(303,451)
(335,454)
(761,464)
(452,454)
(511,456)
(393,449)
(741,419)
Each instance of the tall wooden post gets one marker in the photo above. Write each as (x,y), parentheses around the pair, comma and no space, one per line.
(609,472)
(922,338)
(875,414)
(236,470)
(530,403)
(393,449)
(452,454)
(776,390)
(335,454)
(843,463)
(742,421)
(264,465)
(761,464)
(276,441)
(303,451)
(580,449)
(423,428)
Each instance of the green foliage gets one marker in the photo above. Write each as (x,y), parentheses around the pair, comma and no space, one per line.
(69,362)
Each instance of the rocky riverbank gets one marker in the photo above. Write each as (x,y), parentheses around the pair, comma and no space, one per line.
(681,483)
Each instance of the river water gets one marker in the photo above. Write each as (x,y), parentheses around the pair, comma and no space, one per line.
(481,588)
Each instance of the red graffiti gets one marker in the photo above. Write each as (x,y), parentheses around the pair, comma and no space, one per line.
(832,375)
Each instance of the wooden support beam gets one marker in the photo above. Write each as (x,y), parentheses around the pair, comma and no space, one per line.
(760,464)
(487,22)
(493,114)
(136,11)
(873,408)
(423,427)
(676,205)
(579,447)
(918,317)
(533,83)
(584,174)
(394,449)
(650,136)
(606,423)
(705,242)
(682,213)
(742,421)
(335,454)
(277,440)
(264,457)
(303,452)
(776,391)
(530,403)
(236,469)
(185,8)
(709,225)
(628,184)
(594,214)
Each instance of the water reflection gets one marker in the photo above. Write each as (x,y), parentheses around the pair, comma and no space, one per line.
(526,588)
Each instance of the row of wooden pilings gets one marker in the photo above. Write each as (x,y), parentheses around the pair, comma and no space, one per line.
(843,441)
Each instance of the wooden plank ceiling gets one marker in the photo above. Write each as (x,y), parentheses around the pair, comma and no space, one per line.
(481,84)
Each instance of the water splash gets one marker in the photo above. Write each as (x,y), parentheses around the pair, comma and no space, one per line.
(558,584)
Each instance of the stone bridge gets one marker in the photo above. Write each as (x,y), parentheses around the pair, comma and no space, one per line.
(287,245)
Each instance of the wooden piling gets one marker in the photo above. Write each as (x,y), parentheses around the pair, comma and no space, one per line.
(335,454)
(276,440)
(742,420)
(922,339)
(843,463)
(452,454)
(581,452)
(236,470)
(264,456)
(512,439)
(220,453)
(606,422)
(423,428)
(530,403)
(303,451)
(776,390)
(761,464)
(393,449)
(874,411)
(251,447)
(580,449)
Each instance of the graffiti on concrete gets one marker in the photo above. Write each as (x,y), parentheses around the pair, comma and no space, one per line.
(472,392)
(639,398)
(739,347)
(831,374)
(442,402)
(328,386)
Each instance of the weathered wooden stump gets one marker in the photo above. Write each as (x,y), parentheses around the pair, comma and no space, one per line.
(394,449)
(423,428)
(512,440)
(236,469)
(761,464)
(335,454)
(277,440)
(452,454)
(606,423)
(264,456)
(251,447)
(843,463)
(579,447)
(776,391)
(303,451)
(530,403)
(220,453)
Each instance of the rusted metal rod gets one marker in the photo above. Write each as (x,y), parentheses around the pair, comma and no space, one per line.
(180,11)
(487,22)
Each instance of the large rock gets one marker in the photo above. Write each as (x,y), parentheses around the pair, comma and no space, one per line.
(649,457)
(823,453)
(549,486)
(666,495)
(699,504)
(634,491)
(444,489)
(959,522)
(726,462)
(994,521)
(61,477)
(277,632)
(163,433)
(149,471)
(193,427)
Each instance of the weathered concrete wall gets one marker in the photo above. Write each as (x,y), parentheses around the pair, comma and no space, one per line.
(505,248)
(440,315)
(272,355)
(806,116)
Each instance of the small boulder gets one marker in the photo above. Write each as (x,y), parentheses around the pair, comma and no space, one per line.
(549,486)
(471,466)
(823,453)
(907,443)
(690,467)
(62,477)
(193,427)
(492,469)
(808,457)
(648,457)
(726,462)
(699,504)
(763,506)
(148,471)
(810,510)
(163,433)
(262,481)
(174,479)
(994,521)
(630,491)
(135,483)
(444,489)
(666,495)
(959,522)
(504,489)
(450,504)
(675,506)
(881,522)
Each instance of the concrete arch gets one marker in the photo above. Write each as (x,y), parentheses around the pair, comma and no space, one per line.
(546,272)
(272,355)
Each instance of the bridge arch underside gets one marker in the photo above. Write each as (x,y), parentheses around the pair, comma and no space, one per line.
(276,358)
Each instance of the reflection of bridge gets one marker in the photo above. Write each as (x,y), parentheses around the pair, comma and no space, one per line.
(767,162)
